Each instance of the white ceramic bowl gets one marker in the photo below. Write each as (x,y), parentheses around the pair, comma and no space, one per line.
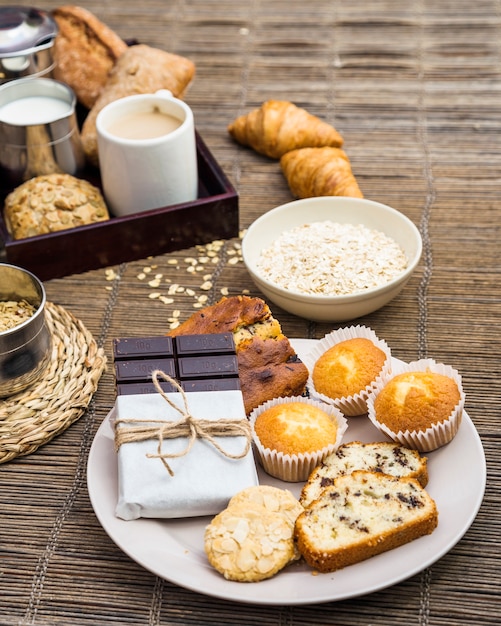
(321,308)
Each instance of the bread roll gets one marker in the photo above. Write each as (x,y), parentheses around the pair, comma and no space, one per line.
(140,69)
(85,50)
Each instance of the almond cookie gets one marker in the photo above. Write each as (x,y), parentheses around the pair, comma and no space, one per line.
(50,203)
(273,499)
(279,501)
(248,545)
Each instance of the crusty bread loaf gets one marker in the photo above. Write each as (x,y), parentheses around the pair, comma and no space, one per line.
(363,514)
(268,366)
(85,50)
(140,69)
(379,456)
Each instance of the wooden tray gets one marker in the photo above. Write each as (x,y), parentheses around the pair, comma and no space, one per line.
(214,215)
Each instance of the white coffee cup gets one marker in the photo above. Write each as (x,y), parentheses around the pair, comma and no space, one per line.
(156,166)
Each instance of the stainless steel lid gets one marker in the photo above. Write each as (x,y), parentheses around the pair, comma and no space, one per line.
(25,29)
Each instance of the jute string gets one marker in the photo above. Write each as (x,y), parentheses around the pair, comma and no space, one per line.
(133,430)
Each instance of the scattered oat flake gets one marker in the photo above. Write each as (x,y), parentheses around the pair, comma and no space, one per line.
(110,274)
(154,295)
(174,324)
(141,276)
(166,300)
(146,270)
(206,285)
(225,291)
(172,262)
(233,260)
(190,292)
(154,283)
(331,259)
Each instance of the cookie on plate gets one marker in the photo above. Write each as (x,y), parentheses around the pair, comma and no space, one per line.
(273,499)
(249,544)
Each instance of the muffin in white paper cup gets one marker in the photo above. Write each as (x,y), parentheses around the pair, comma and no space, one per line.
(293,435)
(420,405)
(345,366)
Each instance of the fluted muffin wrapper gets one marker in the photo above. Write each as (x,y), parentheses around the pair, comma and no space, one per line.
(437,435)
(295,467)
(355,404)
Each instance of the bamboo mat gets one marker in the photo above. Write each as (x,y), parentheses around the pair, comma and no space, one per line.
(414,88)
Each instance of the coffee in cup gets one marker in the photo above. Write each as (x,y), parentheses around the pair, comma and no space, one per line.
(147,152)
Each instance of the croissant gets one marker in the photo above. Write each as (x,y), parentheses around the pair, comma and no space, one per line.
(279,126)
(326,171)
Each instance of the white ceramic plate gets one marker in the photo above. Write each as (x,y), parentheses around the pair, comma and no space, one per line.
(173,549)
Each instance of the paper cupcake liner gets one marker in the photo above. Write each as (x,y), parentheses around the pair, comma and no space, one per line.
(295,467)
(355,404)
(437,435)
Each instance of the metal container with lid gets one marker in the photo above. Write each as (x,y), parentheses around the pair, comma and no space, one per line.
(26,43)
(25,348)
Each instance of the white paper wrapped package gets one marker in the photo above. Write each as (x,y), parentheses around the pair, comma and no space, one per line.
(203,480)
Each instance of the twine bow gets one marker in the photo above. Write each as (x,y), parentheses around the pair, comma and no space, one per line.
(187,426)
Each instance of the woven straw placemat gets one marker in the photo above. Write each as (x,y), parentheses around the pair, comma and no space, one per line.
(36,415)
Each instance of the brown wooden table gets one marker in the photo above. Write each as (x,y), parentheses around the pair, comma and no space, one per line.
(414,88)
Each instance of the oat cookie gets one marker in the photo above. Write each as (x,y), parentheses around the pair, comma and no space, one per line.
(248,545)
(50,203)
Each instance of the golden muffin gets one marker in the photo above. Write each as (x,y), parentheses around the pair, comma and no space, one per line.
(416,401)
(348,367)
(293,435)
(295,428)
(345,366)
(420,407)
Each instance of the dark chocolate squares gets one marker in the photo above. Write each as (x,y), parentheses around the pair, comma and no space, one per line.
(197,362)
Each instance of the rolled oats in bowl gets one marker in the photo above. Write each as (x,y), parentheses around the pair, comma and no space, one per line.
(331,258)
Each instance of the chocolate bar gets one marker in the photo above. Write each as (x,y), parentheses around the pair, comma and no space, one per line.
(139,347)
(208,366)
(197,362)
(141,369)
